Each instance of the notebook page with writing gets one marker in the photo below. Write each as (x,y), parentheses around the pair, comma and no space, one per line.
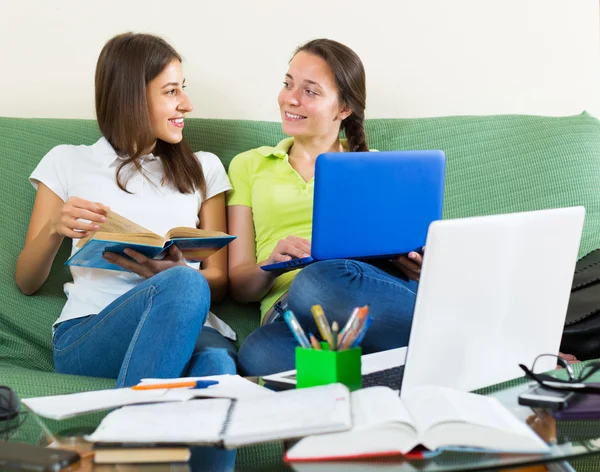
(289,414)
(193,422)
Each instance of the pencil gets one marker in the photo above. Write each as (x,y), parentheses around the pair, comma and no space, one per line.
(322,324)
(334,334)
(314,342)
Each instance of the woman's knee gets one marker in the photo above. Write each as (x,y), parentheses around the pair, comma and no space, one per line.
(181,278)
(317,282)
(185,292)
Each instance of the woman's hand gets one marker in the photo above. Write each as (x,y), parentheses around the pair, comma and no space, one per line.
(410,265)
(69,220)
(290,248)
(144,266)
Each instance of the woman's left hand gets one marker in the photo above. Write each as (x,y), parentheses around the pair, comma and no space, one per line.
(144,266)
(410,265)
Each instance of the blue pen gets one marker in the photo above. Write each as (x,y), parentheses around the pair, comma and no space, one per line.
(296,329)
(363,331)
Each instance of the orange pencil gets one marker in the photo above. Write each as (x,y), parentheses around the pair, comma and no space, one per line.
(314,342)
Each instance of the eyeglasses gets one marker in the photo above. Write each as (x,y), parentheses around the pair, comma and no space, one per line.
(573,384)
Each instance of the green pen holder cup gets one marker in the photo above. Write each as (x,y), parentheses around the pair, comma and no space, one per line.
(322,367)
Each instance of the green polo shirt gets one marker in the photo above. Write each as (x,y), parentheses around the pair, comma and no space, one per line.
(281,203)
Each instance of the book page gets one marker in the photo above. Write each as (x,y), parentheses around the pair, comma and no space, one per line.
(433,407)
(149,239)
(187,232)
(116,223)
(375,406)
(191,422)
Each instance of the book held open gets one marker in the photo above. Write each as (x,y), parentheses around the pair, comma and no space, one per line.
(119,233)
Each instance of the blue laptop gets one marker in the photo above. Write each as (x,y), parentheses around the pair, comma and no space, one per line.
(372,204)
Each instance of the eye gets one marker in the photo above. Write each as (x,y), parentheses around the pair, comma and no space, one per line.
(171,92)
(310,92)
(286,84)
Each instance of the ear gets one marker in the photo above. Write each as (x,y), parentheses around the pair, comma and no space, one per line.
(344,113)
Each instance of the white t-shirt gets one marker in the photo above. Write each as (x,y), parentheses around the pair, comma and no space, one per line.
(89,172)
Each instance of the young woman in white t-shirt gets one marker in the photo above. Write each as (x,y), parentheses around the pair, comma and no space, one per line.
(152,321)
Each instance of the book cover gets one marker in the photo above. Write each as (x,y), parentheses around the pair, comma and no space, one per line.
(193,249)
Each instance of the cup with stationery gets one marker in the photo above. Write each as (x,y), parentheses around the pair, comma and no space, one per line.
(338,357)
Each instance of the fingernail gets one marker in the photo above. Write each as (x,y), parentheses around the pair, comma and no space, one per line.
(412,255)
(96,227)
(103,219)
(305,255)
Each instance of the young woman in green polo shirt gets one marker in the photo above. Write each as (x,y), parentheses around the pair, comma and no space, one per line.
(270,211)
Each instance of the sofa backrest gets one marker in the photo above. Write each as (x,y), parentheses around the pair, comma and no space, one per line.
(495,164)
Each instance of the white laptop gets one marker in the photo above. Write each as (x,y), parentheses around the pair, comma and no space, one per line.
(493,293)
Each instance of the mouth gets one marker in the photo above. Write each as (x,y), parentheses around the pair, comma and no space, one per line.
(177,122)
(293,117)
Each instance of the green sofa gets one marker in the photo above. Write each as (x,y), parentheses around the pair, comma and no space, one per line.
(495,164)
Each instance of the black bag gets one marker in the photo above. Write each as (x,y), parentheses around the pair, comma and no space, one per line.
(581,336)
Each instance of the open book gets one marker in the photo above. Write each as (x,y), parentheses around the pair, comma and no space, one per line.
(119,233)
(433,417)
(231,423)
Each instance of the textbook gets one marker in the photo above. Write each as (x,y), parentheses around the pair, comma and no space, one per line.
(436,418)
(119,233)
(126,454)
(230,422)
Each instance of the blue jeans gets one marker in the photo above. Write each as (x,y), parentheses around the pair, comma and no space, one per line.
(338,286)
(153,330)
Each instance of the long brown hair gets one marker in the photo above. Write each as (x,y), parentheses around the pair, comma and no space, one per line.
(127,64)
(350,79)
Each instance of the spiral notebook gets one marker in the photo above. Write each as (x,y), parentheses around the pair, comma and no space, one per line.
(229,422)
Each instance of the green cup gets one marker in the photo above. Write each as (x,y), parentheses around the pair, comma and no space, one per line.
(322,367)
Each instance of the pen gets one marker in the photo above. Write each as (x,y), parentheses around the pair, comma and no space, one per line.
(363,331)
(194,384)
(346,327)
(322,324)
(314,342)
(352,333)
(296,329)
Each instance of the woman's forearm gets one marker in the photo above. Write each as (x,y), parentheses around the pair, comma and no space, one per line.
(249,283)
(217,281)
(35,261)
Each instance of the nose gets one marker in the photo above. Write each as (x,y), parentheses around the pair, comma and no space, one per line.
(185,105)
(292,97)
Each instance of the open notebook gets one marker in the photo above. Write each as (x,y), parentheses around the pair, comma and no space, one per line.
(231,422)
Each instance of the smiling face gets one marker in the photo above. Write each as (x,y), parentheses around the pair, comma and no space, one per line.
(309,101)
(168,103)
